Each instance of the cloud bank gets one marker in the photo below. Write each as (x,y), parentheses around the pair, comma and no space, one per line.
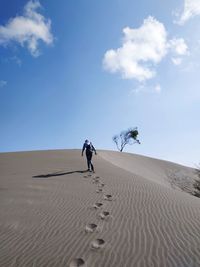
(142,49)
(28,29)
(191,9)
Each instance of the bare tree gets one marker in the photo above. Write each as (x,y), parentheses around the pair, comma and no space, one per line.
(128,137)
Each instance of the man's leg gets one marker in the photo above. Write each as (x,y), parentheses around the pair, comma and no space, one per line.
(88,161)
(92,167)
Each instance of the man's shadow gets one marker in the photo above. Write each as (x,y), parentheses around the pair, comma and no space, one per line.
(57,174)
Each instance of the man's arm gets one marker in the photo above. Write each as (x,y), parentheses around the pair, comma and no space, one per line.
(83,149)
(93,148)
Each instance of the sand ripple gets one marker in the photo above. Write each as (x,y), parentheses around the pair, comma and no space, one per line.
(43,221)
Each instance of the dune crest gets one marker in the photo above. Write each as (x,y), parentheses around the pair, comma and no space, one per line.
(165,173)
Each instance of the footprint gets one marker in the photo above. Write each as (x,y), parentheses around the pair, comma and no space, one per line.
(99,190)
(97,205)
(90,228)
(98,244)
(97,177)
(95,181)
(77,263)
(108,197)
(85,176)
(101,185)
(104,215)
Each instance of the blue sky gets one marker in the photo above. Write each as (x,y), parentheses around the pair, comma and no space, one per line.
(71,70)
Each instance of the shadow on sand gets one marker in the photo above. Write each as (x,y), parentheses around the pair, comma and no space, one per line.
(56,174)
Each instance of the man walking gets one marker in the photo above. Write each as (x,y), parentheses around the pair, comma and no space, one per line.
(89,148)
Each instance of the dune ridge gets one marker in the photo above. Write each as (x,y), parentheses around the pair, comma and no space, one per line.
(47,201)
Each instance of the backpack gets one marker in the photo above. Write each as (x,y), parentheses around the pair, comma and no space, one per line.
(89,148)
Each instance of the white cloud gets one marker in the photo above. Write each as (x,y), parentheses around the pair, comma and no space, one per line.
(177,60)
(14,59)
(3,83)
(157,88)
(17,60)
(139,48)
(178,46)
(144,88)
(191,9)
(142,49)
(27,30)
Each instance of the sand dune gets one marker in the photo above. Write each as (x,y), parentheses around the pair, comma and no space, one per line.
(132,212)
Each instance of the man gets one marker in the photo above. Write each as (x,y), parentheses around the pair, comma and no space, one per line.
(89,148)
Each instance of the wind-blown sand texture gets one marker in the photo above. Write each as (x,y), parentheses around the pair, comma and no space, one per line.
(53,214)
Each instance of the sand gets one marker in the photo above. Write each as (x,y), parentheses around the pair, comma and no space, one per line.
(134,211)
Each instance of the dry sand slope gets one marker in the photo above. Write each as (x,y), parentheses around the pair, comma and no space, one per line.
(124,215)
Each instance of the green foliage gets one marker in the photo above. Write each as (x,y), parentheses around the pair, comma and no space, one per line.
(133,134)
